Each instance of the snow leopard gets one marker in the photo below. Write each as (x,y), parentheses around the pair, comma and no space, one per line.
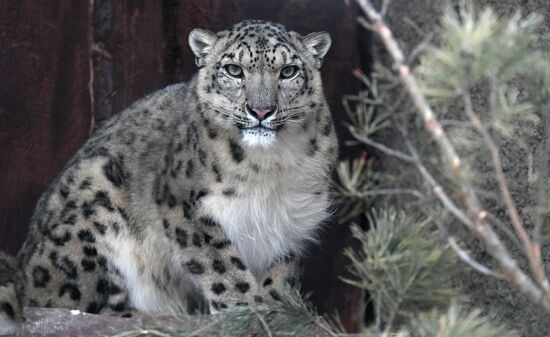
(208,190)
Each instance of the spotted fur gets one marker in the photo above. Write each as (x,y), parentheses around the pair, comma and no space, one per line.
(208,189)
(10,291)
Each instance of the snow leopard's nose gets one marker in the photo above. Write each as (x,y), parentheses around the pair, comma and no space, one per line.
(261,113)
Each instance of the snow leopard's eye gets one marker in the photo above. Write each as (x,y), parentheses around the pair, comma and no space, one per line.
(234,70)
(289,72)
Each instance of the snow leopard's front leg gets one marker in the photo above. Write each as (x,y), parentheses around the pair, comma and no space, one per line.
(215,266)
(283,272)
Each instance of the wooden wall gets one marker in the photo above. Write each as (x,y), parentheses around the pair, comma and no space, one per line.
(66,66)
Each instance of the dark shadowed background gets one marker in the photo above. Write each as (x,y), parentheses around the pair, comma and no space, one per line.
(66,66)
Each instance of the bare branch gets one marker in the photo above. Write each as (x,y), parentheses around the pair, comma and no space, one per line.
(386,191)
(384,8)
(363,22)
(438,190)
(455,123)
(533,252)
(497,165)
(381,147)
(505,229)
(369,9)
(466,257)
(419,48)
(470,261)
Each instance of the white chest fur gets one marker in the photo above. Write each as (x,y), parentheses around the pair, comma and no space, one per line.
(269,218)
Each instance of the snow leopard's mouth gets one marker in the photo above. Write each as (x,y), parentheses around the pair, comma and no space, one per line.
(258,129)
(259,136)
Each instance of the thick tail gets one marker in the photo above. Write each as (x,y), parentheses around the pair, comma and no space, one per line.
(11,313)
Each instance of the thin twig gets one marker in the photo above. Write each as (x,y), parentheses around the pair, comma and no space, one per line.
(539,211)
(379,146)
(470,261)
(377,311)
(533,255)
(385,191)
(499,173)
(363,22)
(153,333)
(455,123)
(204,328)
(465,256)
(505,230)
(264,324)
(438,190)
(399,302)
(419,48)
(384,7)
(493,97)
(443,321)
(326,326)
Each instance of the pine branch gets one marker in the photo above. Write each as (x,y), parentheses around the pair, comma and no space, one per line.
(291,316)
(475,212)
(403,265)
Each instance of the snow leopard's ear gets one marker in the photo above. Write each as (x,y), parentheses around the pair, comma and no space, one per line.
(317,44)
(201,42)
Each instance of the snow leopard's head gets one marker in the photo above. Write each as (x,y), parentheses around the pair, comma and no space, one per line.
(260,78)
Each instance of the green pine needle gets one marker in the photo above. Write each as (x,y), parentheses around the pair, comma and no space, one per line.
(403,264)
(474,45)
(456,322)
(292,316)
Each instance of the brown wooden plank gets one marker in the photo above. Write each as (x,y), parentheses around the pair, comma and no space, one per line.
(128,53)
(44,102)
